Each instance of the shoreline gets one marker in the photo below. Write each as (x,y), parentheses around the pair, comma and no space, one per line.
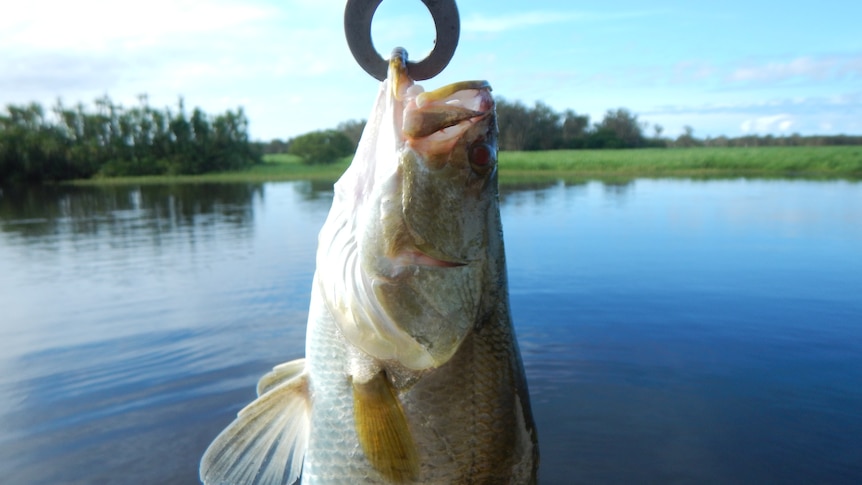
(805,162)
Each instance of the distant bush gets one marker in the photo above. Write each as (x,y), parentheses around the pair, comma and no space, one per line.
(320,147)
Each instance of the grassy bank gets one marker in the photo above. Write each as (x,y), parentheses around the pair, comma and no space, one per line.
(831,161)
(515,167)
(274,168)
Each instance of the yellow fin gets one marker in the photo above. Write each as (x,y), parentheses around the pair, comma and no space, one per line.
(383,431)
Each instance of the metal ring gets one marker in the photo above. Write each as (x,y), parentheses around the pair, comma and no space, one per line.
(357,28)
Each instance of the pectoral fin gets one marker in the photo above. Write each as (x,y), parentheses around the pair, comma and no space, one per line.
(280,374)
(266,443)
(383,431)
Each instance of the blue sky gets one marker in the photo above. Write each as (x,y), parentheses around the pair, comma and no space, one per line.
(722,67)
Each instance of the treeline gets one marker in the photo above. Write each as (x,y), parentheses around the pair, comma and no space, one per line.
(539,127)
(521,128)
(524,128)
(74,142)
(687,139)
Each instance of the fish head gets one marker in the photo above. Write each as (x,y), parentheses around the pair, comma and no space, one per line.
(426,258)
(448,174)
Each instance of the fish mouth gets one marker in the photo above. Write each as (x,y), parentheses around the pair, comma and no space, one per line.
(460,92)
(454,106)
(415,257)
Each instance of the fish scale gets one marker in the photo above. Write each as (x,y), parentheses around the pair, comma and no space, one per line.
(334,454)
(448,425)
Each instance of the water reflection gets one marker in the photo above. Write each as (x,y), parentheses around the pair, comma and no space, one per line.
(618,192)
(71,211)
(315,190)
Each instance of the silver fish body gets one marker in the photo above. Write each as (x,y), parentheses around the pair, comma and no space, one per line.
(412,371)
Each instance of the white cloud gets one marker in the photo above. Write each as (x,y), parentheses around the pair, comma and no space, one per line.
(489,24)
(691,71)
(216,54)
(519,20)
(732,116)
(796,106)
(768,124)
(735,75)
(814,68)
(99,25)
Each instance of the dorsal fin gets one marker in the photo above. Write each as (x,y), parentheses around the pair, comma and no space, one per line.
(383,431)
(266,443)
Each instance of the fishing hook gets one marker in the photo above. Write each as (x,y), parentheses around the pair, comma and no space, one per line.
(357,28)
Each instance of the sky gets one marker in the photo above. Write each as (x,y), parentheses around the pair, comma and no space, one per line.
(720,67)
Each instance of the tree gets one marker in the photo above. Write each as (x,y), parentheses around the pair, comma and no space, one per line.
(575,130)
(523,128)
(687,138)
(353,129)
(544,129)
(618,129)
(321,146)
(513,122)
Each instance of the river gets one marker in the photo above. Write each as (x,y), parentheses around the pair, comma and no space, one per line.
(673,331)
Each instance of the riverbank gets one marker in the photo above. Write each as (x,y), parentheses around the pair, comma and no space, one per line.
(516,167)
(814,162)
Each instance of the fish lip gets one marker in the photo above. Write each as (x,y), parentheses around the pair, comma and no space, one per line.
(415,257)
(453,91)
(433,127)
(433,122)
(472,98)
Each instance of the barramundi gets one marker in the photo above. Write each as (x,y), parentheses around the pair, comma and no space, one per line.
(412,372)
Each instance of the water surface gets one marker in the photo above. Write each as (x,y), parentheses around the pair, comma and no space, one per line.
(673,331)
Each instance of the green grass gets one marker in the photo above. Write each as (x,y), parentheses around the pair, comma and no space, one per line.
(274,168)
(525,167)
(815,162)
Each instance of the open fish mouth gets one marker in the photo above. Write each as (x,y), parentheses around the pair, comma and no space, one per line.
(459,93)
(414,257)
(447,112)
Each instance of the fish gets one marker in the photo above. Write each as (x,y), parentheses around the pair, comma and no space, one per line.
(412,371)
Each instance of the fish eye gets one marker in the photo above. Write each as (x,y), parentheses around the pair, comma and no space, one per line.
(481,158)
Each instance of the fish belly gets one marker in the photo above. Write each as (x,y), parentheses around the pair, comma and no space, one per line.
(334,454)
